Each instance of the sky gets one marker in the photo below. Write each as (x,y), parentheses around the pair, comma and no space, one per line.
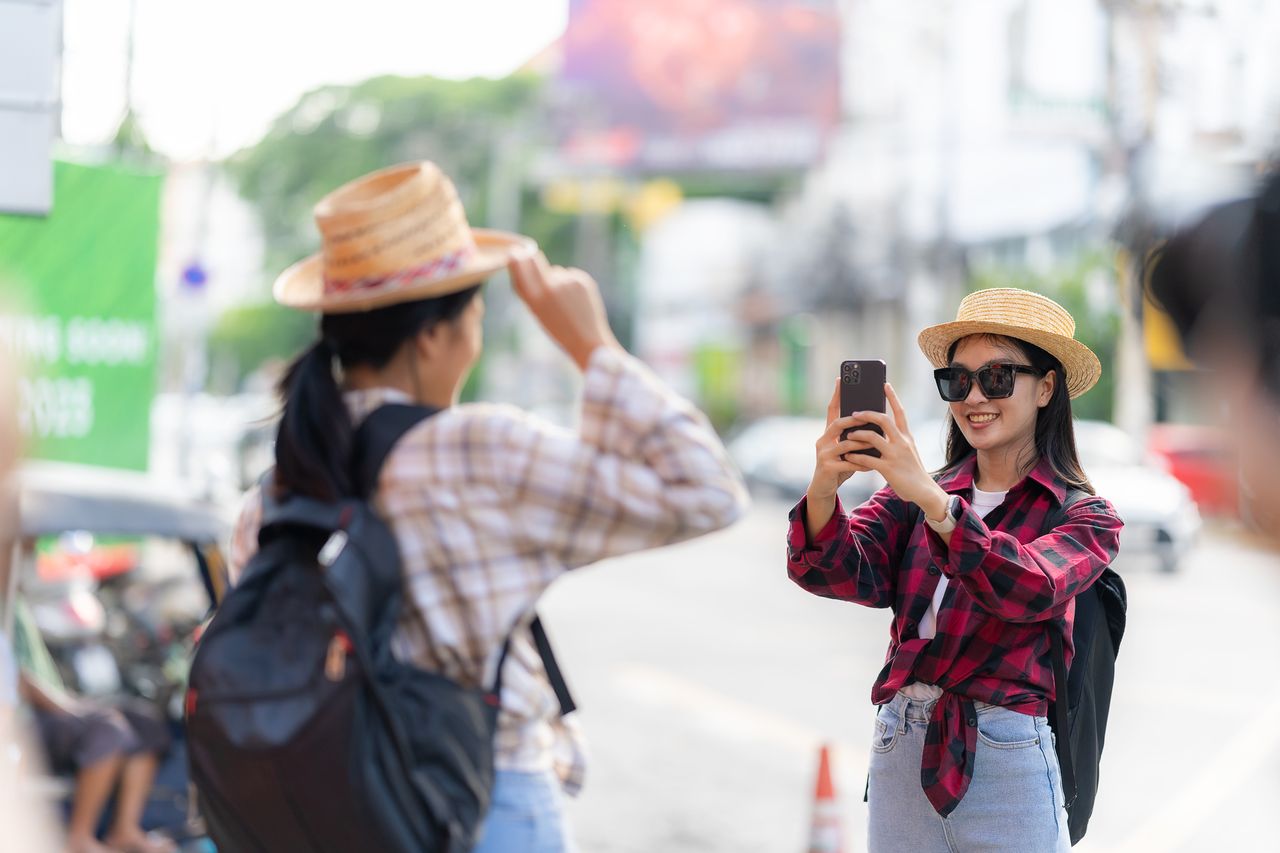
(210,76)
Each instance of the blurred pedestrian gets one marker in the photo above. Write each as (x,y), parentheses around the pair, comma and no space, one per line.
(26,821)
(1219,280)
(963,757)
(489,504)
(111,750)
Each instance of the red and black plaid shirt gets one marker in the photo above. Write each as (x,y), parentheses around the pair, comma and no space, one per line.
(1008,583)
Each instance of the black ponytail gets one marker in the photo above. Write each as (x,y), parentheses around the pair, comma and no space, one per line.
(313,445)
(314,441)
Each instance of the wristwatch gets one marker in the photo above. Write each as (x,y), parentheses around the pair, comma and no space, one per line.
(948,522)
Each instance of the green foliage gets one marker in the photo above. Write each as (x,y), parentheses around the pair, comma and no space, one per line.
(337,133)
(251,335)
(1074,285)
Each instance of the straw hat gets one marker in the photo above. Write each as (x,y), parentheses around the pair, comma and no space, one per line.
(1023,315)
(395,235)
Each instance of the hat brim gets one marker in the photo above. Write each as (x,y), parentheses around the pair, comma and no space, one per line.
(301,286)
(1078,361)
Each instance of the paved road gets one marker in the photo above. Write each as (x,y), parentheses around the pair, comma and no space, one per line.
(707,682)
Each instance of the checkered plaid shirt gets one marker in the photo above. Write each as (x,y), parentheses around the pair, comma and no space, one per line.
(1008,582)
(490,505)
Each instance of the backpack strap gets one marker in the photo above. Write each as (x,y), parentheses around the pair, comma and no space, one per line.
(375,437)
(1062,725)
(554,675)
(373,441)
(540,639)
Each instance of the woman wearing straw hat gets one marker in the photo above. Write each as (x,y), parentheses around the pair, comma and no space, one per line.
(489,504)
(962,757)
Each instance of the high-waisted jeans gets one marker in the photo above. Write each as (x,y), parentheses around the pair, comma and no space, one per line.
(1014,803)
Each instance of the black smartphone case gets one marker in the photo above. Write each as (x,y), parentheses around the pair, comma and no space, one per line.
(862,390)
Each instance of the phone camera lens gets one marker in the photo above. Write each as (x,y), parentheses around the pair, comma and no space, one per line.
(857,377)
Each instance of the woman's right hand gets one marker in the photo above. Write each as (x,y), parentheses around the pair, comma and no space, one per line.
(566,301)
(832,467)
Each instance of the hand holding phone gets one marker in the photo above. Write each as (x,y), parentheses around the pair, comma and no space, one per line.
(862,390)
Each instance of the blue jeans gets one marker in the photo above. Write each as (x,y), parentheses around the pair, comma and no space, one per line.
(1014,802)
(526,816)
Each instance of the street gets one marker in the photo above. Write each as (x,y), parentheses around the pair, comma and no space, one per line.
(707,682)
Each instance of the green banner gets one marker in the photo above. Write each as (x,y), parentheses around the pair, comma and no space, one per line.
(78,316)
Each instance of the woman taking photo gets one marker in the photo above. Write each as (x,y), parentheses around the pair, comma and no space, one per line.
(963,756)
(488,504)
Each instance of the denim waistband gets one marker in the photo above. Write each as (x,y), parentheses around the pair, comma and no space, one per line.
(916,709)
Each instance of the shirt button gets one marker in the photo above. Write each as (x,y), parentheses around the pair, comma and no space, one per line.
(972,721)
(911,626)
(934,570)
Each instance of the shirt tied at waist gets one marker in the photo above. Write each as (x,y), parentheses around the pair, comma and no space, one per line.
(951,739)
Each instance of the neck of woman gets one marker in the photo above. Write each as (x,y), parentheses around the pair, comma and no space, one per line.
(1001,470)
(402,374)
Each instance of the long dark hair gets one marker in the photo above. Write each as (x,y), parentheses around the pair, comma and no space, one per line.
(1055,438)
(313,445)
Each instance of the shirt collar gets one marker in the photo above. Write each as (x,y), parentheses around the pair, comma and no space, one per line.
(960,477)
(364,400)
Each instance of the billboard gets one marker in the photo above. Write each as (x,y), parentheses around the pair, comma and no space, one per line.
(30,49)
(672,85)
(78,315)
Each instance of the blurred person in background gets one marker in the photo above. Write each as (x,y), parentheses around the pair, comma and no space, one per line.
(25,820)
(963,757)
(489,504)
(1219,281)
(111,749)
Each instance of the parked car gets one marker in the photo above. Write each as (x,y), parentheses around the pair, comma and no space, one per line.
(1199,456)
(1160,513)
(118,571)
(776,458)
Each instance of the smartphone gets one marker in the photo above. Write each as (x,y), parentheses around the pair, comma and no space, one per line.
(862,390)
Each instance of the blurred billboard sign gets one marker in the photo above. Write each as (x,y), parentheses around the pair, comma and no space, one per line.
(78,317)
(30,50)
(699,85)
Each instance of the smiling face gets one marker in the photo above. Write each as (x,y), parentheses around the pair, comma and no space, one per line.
(1005,425)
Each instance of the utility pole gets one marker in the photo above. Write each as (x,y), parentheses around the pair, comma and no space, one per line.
(1123,163)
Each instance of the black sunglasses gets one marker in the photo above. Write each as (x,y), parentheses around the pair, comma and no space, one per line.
(995,380)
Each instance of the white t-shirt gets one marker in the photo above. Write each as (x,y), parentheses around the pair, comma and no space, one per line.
(983,503)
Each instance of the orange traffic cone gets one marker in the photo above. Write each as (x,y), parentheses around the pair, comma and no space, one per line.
(826,834)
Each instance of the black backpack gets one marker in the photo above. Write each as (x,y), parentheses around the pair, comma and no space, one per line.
(305,733)
(1096,634)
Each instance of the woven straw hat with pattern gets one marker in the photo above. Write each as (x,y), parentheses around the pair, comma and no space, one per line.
(396,235)
(1023,315)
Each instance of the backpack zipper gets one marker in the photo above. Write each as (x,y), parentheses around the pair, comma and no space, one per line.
(335,661)
(332,548)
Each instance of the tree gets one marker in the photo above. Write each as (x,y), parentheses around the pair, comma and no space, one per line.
(249,336)
(337,133)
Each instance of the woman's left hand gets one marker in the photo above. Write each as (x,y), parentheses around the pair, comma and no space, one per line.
(899,462)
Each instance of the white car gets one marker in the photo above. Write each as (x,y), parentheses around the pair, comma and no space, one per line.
(1160,515)
(776,456)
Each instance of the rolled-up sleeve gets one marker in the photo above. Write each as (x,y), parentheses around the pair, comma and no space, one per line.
(1034,581)
(855,556)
